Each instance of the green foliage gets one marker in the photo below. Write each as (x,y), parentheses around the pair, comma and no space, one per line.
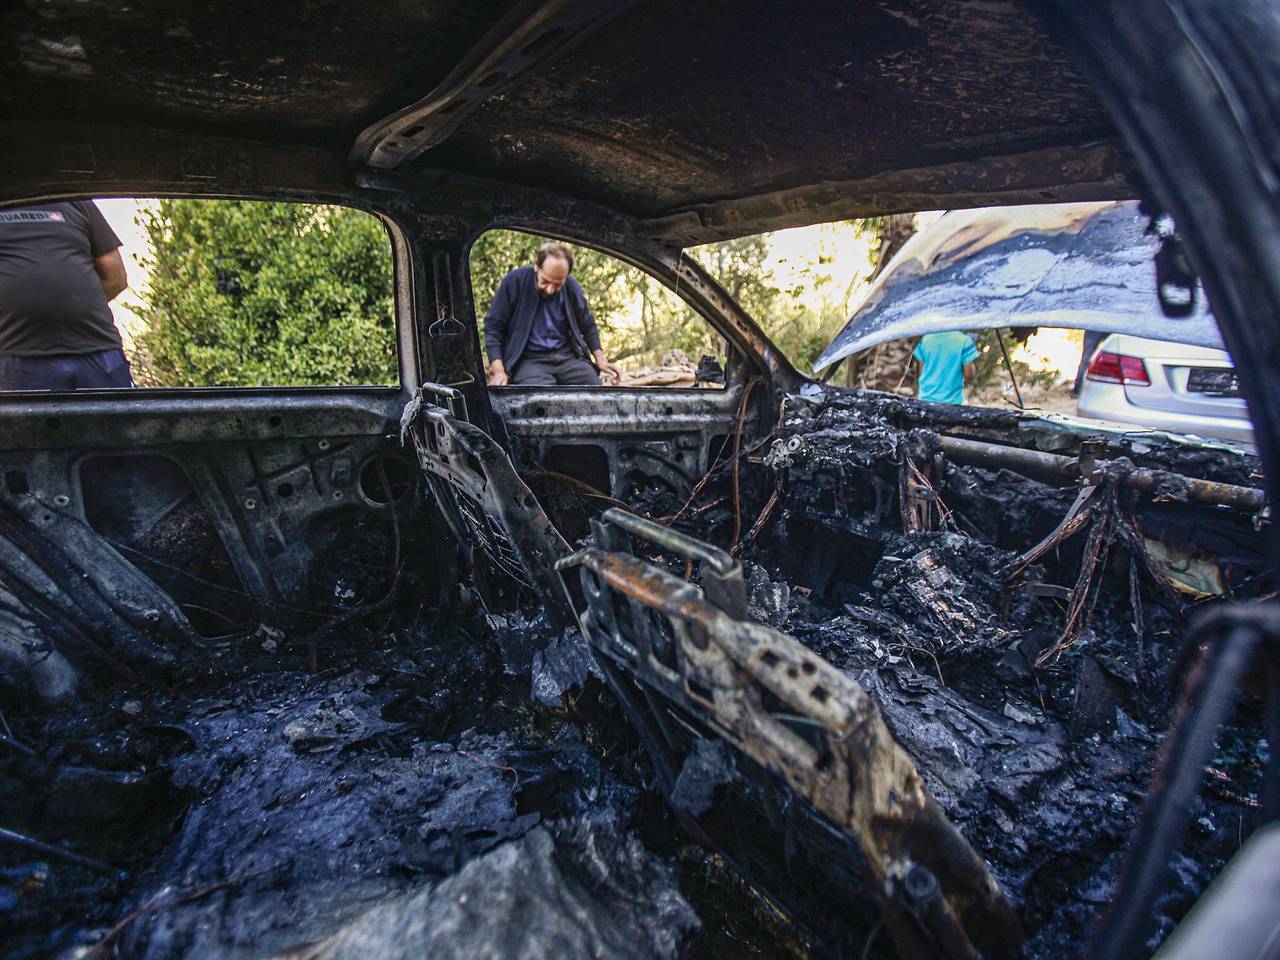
(244,293)
(641,320)
(989,368)
(497,252)
(802,317)
(250,293)
(740,267)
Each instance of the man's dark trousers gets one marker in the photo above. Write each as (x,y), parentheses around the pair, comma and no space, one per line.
(66,371)
(552,368)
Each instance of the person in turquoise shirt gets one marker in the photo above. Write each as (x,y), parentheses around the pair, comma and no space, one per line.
(946,362)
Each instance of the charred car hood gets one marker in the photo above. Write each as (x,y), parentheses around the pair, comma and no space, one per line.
(1078,265)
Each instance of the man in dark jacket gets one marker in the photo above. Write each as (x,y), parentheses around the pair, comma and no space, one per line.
(539,330)
(60,264)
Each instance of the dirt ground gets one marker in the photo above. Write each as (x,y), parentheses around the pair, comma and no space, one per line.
(1042,399)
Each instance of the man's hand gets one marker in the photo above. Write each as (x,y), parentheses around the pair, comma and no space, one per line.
(498,374)
(606,367)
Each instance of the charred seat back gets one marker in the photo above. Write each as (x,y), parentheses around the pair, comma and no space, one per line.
(484,501)
(689,665)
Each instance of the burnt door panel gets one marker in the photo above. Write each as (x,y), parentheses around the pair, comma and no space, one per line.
(244,507)
(644,447)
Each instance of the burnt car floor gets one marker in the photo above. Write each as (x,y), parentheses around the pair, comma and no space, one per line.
(288,674)
(608,742)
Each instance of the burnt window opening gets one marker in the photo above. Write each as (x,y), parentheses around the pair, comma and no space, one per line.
(718,447)
(828,556)
(569,484)
(656,337)
(256,293)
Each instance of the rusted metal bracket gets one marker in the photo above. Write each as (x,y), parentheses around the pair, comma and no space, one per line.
(719,573)
(707,674)
(446,324)
(454,400)
(1089,464)
(1077,516)
(921,508)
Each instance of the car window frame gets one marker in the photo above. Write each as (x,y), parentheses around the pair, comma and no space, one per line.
(404,268)
(738,367)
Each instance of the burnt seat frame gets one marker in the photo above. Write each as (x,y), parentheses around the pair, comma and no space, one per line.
(688,664)
(485,503)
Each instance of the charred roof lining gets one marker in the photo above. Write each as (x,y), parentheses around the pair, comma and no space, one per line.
(1098,171)
(526,39)
(673,107)
(314,73)
(69,159)
(708,121)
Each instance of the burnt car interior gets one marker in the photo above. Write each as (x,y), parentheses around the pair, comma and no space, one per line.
(780,669)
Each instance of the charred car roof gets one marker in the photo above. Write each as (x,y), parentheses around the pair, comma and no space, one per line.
(640,107)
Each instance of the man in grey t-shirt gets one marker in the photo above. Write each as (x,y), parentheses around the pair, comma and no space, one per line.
(60,265)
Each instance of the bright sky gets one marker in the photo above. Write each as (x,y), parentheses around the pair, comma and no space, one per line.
(792,251)
(1051,348)
(120,213)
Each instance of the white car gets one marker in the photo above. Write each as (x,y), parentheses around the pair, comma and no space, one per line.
(1165,386)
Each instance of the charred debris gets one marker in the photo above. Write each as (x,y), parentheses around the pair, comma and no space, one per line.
(890,682)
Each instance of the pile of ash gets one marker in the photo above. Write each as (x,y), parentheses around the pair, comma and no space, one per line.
(469,788)
(398,803)
(1037,741)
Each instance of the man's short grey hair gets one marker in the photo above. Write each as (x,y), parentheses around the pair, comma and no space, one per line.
(553,249)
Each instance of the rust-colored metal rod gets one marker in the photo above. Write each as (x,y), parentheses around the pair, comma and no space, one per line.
(986,454)
(1008,365)
(683,545)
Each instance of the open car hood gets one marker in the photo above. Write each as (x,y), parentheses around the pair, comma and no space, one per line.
(1084,266)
